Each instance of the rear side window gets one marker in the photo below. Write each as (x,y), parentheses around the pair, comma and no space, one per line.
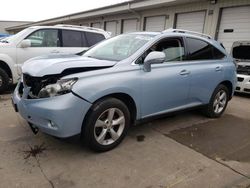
(93,38)
(201,50)
(71,38)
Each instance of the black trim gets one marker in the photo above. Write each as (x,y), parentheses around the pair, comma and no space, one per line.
(168,114)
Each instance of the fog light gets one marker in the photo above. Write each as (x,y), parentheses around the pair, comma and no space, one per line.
(52,125)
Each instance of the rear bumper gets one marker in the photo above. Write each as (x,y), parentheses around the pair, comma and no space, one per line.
(243,84)
(60,116)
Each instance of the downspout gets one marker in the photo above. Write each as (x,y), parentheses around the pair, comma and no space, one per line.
(133,11)
(137,14)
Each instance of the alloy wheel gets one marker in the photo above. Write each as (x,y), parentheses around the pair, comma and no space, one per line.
(109,126)
(220,101)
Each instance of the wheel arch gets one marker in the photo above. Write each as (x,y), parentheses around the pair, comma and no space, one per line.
(125,98)
(229,85)
(6,68)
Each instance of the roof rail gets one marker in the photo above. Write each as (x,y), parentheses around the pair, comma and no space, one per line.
(187,31)
(80,27)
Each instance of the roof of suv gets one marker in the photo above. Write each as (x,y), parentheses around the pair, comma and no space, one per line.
(74,27)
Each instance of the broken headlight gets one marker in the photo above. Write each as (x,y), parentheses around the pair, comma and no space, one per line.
(61,87)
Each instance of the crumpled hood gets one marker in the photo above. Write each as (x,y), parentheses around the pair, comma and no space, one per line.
(56,64)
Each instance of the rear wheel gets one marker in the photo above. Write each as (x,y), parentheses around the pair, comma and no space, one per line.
(106,125)
(218,102)
(4,80)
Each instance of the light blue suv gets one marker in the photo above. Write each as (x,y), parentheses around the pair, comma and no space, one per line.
(122,80)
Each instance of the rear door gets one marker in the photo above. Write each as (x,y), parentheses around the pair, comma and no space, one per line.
(43,42)
(206,68)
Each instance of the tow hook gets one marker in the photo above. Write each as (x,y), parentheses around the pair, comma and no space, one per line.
(33,128)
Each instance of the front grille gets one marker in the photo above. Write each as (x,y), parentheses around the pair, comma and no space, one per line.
(243,70)
(247,90)
(37,83)
(240,79)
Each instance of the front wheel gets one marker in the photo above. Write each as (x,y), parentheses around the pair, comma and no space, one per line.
(106,125)
(218,102)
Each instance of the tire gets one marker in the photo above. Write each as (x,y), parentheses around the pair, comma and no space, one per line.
(218,102)
(4,80)
(99,131)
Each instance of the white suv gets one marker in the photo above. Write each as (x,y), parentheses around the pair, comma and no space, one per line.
(43,40)
(241,53)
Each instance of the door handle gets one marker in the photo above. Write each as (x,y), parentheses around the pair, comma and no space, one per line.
(184,72)
(54,51)
(218,69)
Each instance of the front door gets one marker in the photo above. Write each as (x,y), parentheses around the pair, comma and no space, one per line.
(43,42)
(166,87)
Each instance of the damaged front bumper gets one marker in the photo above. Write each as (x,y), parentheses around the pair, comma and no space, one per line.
(60,116)
(243,84)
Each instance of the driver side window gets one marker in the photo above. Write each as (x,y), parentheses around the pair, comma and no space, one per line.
(173,48)
(44,38)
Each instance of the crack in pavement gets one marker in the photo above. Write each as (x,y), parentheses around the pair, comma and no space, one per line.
(45,176)
(37,160)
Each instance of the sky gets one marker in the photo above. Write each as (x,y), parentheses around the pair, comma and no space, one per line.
(36,10)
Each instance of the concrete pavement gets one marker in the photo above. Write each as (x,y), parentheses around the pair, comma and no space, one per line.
(186,150)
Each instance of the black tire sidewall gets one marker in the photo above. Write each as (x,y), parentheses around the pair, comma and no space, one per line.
(5,80)
(96,110)
(210,108)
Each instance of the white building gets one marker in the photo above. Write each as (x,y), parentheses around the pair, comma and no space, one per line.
(6,24)
(226,20)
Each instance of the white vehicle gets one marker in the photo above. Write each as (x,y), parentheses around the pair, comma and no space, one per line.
(241,53)
(43,40)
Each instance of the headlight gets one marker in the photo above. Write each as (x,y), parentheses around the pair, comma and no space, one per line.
(61,87)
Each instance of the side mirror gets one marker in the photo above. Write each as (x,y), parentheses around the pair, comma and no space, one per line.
(153,58)
(25,43)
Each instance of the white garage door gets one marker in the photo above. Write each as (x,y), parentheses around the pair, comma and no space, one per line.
(234,25)
(156,23)
(129,25)
(111,26)
(96,25)
(193,21)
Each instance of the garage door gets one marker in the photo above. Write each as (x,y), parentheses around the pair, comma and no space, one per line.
(234,25)
(156,23)
(129,25)
(111,27)
(96,25)
(193,21)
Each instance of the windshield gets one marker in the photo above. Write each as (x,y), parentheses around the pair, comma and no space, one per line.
(118,48)
(13,37)
(242,52)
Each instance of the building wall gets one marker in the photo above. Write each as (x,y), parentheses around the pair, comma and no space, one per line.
(6,24)
(212,18)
